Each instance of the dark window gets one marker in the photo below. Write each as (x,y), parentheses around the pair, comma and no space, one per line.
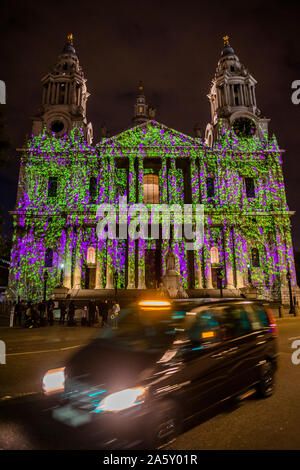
(52,186)
(48,258)
(210,187)
(255,258)
(250,187)
(93,188)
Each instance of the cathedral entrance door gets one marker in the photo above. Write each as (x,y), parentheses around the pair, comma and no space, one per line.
(152,268)
(214,275)
(90,280)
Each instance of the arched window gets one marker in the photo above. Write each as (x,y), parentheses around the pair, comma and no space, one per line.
(151,189)
(48,258)
(255,258)
(214,255)
(91,255)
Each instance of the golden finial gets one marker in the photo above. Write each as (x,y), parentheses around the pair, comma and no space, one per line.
(226,40)
(70,39)
(140,87)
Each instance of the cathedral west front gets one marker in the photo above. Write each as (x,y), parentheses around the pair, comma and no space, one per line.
(234,171)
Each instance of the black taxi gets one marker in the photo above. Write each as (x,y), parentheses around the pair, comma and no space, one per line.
(165,362)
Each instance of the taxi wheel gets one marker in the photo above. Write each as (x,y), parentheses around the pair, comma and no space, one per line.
(166,425)
(265,387)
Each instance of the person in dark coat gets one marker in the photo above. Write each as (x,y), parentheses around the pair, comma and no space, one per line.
(41,309)
(50,311)
(63,309)
(18,313)
(104,312)
(92,312)
(71,315)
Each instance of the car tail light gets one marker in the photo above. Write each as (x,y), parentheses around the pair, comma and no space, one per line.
(273,325)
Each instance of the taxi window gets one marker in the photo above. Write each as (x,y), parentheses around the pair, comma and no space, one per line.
(258,317)
(235,321)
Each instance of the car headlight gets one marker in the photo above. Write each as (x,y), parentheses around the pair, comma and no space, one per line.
(122,400)
(54,380)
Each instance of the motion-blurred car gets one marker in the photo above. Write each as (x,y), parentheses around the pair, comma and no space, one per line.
(136,384)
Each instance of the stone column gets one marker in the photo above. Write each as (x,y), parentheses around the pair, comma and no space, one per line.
(57,93)
(131,264)
(109,267)
(228,258)
(77,268)
(198,270)
(48,93)
(207,260)
(67,267)
(141,264)
(239,257)
(99,269)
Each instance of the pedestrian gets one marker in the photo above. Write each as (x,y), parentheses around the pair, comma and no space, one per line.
(104,312)
(50,311)
(71,315)
(92,312)
(84,316)
(115,309)
(41,309)
(63,309)
(18,313)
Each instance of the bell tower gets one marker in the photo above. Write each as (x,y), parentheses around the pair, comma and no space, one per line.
(232,99)
(64,96)
(141,113)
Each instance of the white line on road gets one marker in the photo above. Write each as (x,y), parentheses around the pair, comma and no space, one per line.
(45,351)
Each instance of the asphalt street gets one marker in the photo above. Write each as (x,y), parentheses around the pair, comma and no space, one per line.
(272,423)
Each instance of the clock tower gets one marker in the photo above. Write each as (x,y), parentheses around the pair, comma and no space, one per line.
(232,99)
(64,97)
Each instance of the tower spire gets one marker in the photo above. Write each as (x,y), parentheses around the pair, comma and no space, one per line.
(232,99)
(64,96)
(141,112)
(226,40)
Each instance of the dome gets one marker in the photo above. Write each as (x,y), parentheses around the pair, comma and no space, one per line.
(227,51)
(69,49)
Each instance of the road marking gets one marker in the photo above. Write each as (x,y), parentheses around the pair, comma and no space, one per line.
(44,351)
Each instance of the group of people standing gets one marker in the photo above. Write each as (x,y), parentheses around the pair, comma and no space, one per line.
(33,315)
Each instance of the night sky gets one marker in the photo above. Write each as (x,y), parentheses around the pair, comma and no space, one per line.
(173,47)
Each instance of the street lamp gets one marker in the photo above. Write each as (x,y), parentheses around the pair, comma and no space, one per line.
(220,278)
(116,283)
(61,274)
(292,307)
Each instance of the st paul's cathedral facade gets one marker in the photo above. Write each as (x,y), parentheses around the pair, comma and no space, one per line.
(234,171)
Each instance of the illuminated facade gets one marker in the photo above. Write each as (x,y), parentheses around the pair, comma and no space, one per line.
(236,173)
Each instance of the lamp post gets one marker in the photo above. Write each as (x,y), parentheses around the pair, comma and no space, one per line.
(249,275)
(220,278)
(116,283)
(292,307)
